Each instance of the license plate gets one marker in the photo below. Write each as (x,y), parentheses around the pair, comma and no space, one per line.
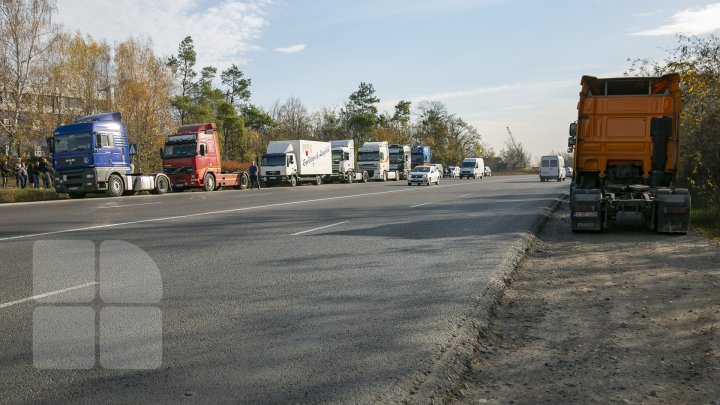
(272,178)
(179,185)
(586,214)
(72,188)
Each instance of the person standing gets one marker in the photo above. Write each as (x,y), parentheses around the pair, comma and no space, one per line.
(5,171)
(34,175)
(42,169)
(254,176)
(17,168)
(23,175)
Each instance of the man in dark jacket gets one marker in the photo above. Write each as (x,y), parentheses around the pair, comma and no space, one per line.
(5,171)
(254,176)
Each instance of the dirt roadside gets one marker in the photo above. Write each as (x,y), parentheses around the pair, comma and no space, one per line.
(624,316)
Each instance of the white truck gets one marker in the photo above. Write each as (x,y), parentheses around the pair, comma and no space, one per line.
(472,167)
(296,161)
(374,157)
(343,162)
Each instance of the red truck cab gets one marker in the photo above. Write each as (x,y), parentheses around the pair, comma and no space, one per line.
(191,159)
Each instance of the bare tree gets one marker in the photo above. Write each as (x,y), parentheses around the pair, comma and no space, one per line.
(26,32)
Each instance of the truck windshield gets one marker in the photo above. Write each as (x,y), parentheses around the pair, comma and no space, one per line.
(368,156)
(275,160)
(398,158)
(73,142)
(180,150)
(336,156)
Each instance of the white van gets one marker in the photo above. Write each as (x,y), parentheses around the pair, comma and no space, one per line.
(472,167)
(552,167)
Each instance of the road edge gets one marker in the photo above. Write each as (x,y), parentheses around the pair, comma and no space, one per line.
(453,362)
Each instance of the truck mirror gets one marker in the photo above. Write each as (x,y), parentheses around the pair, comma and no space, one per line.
(50,144)
(162,153)
(573,129)
(571,141)
(570,150)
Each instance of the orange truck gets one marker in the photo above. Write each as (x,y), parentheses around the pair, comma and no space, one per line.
(626,144)
(191,159)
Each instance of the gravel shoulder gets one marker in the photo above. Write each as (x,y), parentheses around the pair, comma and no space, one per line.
(624,316)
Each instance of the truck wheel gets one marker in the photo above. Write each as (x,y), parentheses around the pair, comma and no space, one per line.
(384,176)
(244,181)
(318,180)
(116,186)
(209,182)
(364,177)
(162,185)
(293,181)
(397,175)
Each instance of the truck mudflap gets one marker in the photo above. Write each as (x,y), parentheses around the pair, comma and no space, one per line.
(586,210)
(672,214)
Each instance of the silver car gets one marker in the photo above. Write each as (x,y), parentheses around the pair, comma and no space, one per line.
(424,175)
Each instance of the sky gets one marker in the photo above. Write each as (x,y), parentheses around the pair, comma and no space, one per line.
(497,64)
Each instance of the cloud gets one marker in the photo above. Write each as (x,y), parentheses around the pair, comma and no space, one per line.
(291,49)
(223,32)
(692,21)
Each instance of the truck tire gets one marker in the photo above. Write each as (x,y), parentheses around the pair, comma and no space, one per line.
(384,176)
(350,177)
(397,175)
(162,185)
(116,186)
(318,180)
(293,181)
(244,181)
(364,176)
(209,182)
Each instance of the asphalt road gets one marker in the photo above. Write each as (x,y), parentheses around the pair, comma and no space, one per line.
(331,293)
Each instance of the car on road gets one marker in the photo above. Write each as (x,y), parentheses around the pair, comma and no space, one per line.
(453,172)
(488,172)
(424,175)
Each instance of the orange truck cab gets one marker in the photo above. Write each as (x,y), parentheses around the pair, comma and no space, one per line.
(626,145)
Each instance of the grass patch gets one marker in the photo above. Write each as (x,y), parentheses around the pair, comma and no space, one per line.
(707,220)
(29,195)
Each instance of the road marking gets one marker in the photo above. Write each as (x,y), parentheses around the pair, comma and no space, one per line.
(317,229)
(420,205)
(130,205)
(201,214)
(36,297)
(464,195)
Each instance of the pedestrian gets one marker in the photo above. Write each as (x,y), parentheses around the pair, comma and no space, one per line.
(42,169)
(23,176)
(254,176)
(17,169)
(5,171)
(34,175)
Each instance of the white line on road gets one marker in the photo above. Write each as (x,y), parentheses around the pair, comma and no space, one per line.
(464,195)
(131,205)
(420,205)
(317,229)
(36,297)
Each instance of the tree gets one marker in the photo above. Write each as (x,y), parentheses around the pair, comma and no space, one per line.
(182,67)
(514,154)
(26,33)
(238,88)
(293,121)
(144,87)
(360,113)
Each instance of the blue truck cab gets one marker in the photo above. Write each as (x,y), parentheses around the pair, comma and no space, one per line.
(93,155)
(420,156)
